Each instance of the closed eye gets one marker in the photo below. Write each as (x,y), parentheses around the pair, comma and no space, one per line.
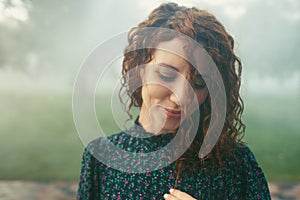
(165,77)
(199,83)
(199,86)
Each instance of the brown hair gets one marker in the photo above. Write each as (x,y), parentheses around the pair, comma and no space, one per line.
(204,28)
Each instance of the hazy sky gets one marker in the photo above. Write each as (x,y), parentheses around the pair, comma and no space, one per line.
(65,33)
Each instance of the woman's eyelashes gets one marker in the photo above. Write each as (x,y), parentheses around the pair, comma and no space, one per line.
(168,77)
(199,85)
(171,77)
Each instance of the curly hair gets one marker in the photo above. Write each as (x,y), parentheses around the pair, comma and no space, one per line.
(204,28)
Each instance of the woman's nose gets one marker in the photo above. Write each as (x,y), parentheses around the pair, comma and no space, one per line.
(179,94)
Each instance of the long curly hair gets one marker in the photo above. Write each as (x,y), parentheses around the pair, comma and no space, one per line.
(204,28)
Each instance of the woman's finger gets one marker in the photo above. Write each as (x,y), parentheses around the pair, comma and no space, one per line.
(170,197)
(181,195)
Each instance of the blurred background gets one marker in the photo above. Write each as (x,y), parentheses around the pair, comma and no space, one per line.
(43,43)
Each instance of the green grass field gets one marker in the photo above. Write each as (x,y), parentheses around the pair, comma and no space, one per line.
(39,140)
(273,133)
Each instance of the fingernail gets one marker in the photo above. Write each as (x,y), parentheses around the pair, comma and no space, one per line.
(166,195)
(171,190)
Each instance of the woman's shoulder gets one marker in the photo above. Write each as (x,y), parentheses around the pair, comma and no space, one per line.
(245,160)
(242,151)
(101,149)
(114,138)
(254,180)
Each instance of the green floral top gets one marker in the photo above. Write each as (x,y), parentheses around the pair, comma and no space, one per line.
(100,178)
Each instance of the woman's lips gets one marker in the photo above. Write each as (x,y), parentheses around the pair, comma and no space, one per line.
(173,113)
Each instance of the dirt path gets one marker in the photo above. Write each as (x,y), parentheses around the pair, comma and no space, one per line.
(28,190)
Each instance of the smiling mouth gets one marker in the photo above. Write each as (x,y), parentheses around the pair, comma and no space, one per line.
(173,113)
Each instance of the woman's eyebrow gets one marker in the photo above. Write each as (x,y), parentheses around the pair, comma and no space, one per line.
(202,76)
(168,66)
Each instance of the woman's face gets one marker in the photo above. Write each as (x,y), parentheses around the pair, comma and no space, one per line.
(166,89)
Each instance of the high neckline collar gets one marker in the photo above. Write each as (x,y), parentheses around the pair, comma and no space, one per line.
(139,131)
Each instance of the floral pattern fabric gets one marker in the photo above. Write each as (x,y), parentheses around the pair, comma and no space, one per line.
(241,179)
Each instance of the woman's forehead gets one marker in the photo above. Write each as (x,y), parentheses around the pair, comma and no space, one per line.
(179,50)
(176,45)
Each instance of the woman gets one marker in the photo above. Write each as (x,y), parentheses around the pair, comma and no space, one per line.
(179,94)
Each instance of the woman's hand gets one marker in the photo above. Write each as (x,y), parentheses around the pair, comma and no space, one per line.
(178,195)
